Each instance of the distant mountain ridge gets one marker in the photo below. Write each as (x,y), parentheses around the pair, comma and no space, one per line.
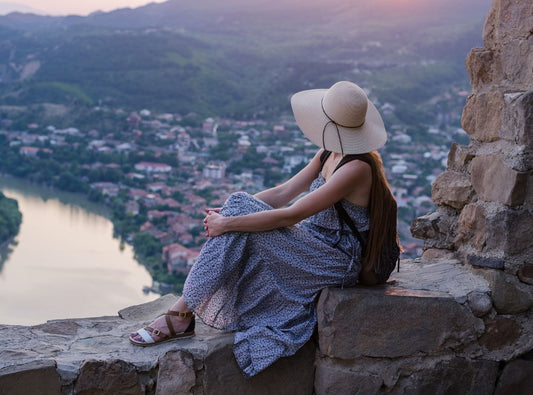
(226,58)
(9,7)
(178,13)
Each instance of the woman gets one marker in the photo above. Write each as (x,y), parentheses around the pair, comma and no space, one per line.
(261,270)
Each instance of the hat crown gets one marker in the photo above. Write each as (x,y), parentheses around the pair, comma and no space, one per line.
(346,104)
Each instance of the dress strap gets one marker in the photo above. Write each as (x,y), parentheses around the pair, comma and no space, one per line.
(323,158)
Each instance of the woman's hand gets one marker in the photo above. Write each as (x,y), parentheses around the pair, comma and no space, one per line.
(214,223)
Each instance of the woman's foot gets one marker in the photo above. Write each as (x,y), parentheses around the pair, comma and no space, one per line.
(178,322)
(172,325)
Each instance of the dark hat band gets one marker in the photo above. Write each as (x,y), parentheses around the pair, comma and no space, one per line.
(335,122)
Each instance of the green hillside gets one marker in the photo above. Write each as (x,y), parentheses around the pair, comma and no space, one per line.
(234,61)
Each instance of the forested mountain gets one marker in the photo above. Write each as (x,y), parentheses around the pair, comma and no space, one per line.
(236,57)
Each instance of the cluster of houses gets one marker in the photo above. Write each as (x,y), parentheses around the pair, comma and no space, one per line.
(175,196)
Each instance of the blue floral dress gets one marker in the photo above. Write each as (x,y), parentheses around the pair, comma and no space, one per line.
(264,285)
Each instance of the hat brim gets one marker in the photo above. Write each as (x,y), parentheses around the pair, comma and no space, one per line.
(307,110)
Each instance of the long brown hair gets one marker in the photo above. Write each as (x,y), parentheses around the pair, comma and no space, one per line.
(383,212)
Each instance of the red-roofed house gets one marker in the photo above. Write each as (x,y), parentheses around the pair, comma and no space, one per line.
(29,151)
(137,194)
(179,258)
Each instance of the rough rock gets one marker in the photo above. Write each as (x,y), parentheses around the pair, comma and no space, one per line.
(438,229)
(490,262)
(529,197)
(436,253)
(459,157)
(525,274)
(507,31)
(417,375)
(500,332)
(472,226)
(333,379)
(93,355)
(507,20)
(480,67)
(453,189)
(494,181)
(483,125)
(513,57)
(291,376)
(492,226)
(509,295)
(480,303)
(176,373)
(440,275)
(518,118)
(516,227)
(418,330)
(455,376)
(409,322)
(34,378)
(495,229)
(108,377)
(516,378)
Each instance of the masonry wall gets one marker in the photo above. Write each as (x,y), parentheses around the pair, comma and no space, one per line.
(485,196)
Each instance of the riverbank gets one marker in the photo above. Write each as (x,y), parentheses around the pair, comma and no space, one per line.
(66,262)
(125,227)
(47,191)
(7,242)
(10,219)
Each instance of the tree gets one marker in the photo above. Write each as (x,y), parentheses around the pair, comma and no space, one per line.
(10,218)
(145,245)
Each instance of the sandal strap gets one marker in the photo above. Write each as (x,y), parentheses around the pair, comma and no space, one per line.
(170,326)
(157,332)
(188,314)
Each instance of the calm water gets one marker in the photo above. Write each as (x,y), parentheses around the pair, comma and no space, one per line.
(65,262)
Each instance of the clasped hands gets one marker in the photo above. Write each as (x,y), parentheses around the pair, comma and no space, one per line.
(213,222)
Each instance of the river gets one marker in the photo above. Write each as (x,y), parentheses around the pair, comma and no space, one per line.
(64,262)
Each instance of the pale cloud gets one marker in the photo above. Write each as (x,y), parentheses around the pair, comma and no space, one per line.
(83,7)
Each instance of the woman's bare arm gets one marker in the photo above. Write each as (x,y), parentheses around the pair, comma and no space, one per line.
(339,185)
(281,195)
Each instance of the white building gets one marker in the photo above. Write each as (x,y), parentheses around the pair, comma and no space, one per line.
(152,167)
(214,171)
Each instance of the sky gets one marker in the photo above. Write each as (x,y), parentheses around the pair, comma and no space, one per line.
(84,7)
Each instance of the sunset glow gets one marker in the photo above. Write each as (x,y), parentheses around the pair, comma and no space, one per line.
(68,7)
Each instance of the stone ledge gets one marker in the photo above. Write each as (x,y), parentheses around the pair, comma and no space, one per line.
(432,329)
(392,323)
(420,312)
(93,355)
(434,319)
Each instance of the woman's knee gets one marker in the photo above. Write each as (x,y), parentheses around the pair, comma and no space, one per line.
(242,203)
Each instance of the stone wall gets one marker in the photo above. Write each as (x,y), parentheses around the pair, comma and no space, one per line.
(433,329)
(94,356)
(485,196)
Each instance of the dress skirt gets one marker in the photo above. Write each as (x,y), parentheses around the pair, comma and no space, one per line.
(264,285)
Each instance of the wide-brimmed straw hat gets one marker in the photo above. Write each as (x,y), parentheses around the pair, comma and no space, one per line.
(339,119)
